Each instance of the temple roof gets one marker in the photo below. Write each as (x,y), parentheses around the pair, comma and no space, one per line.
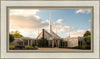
(47,35)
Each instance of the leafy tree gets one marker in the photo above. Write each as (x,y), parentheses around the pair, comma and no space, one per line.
(17,34)
(11,38)
(12,32)
(87,33)
(87,37)
(43,42)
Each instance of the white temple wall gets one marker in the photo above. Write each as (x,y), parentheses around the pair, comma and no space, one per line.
(72,42)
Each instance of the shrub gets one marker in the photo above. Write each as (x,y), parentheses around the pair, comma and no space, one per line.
(28,47)
(87,47)
(84,47)
(79,47)
(11,47)
(36,47)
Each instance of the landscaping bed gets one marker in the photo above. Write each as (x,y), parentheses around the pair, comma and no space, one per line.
(23,47)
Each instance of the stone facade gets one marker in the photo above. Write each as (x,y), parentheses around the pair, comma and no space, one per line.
(72,42)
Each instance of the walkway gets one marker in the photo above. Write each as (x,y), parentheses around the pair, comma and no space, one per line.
(56,49)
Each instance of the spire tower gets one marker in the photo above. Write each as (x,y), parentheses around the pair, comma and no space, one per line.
(50,24)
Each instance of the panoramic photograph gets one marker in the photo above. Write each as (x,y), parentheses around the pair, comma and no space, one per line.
(49,29)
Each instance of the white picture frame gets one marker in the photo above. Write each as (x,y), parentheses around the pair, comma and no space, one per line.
(96,33)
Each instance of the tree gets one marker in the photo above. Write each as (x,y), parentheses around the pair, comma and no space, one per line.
(11,38)
(12,32)
(87,33)
(43,42)
(16,34)
(87,37)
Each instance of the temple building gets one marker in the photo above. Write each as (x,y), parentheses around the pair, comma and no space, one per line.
(53,39)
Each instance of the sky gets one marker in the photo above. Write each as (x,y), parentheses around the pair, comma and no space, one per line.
(30,22)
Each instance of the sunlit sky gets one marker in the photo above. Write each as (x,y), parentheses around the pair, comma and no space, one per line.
(30,22)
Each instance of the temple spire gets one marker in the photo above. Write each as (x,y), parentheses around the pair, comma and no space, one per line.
(50,24)
(69,33)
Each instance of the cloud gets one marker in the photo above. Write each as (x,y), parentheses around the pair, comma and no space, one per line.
(30,25)
(24,12)
(26,19)
(21,22)
(83,11)
(65,29)
(60,22)
(77,33)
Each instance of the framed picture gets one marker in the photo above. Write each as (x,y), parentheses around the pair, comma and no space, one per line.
(50,29)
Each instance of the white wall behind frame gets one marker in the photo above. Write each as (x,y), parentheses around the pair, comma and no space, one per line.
(49,55)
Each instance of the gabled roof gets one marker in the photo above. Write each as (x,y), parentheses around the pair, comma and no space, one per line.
(44,34)
(54,35)
(47,35)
